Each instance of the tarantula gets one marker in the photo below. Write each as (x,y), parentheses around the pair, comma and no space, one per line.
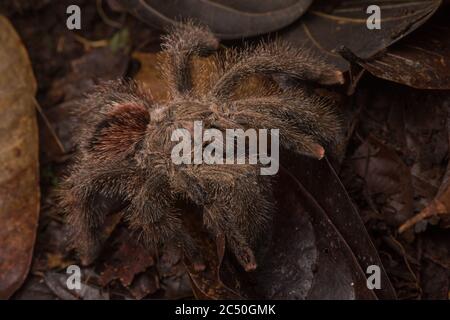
(124,161)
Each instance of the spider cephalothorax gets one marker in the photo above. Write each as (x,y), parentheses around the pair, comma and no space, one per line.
(124,161)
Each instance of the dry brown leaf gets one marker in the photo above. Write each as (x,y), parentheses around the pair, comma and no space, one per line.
(440,205)
(129,260)
(385,174)
(149,75)
(19,167)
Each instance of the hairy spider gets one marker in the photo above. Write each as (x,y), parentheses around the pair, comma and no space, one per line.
(124,160)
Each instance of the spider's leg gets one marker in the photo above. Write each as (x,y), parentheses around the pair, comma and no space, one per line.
(180,45)
(152,214)
(87,197)
(238,205)
(100,182)
(307,124)
(275,58)
(151,209)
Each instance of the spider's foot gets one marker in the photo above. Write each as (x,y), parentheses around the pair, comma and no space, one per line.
(242,251)
(246,258)
(197,261)
(193,254)
(88,255)
(199,266)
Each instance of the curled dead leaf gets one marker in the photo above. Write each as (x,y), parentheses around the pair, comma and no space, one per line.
(421,60)
(329,25)
(228,19)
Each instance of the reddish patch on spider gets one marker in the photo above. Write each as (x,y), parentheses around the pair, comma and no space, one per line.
(318,151)
(121,129)
(199,267)
(250,267)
